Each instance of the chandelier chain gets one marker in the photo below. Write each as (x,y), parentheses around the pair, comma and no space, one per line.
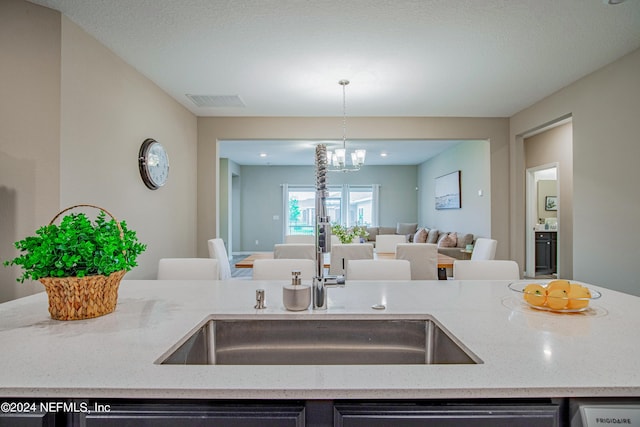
(344,83)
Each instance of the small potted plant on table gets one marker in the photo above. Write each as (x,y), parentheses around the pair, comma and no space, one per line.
(347,235)
(79,262)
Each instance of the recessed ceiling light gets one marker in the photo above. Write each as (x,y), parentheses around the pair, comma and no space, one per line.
(383,154)
(263,154)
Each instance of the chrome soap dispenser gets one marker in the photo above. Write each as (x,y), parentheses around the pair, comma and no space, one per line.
(296,296)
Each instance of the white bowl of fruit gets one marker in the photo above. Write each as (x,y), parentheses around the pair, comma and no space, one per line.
(560,296)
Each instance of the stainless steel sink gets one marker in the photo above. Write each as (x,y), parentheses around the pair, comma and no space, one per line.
(335,341)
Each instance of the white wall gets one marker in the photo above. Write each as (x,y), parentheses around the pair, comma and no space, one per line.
(605,107)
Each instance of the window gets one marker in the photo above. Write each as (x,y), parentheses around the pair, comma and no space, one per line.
(301,210)
(347,204)
(360,205)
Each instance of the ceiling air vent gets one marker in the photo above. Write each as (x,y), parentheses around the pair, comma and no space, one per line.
(216,100)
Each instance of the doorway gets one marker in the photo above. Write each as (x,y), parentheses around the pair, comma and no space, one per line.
(542,225)
(550,146)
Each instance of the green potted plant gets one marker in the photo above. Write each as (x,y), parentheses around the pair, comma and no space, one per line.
(341,233)
(361,232)
(347,235)
(79,262)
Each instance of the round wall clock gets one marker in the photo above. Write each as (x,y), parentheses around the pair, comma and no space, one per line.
(154,164)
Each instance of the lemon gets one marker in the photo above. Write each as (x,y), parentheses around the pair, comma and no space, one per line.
(535,294)
(557,299)
(578,296)
(558,284)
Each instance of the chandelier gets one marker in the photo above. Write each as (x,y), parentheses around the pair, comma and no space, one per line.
(338,158)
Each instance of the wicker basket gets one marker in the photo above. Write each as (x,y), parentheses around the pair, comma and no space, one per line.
(75,298)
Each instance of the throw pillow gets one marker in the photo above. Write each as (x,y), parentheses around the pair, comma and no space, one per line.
(448,241)
(433,236)
(420,236)
(406,228)
(464,240)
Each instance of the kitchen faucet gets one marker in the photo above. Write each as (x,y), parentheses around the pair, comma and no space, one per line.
(323,234)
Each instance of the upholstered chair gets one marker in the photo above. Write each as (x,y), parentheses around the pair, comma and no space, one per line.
(484,249)
(341,254)
(294,251)
(300,238)
(219,252)
(423,258)
(386,243)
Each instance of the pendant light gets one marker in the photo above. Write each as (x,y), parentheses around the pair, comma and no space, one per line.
(338,158)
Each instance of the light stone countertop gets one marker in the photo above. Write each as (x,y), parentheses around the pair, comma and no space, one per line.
(525,352)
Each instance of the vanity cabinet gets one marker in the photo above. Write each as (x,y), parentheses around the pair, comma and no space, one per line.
(546,252)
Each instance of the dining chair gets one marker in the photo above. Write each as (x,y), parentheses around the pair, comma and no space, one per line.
(386,243)
(378,269)
(485,270)
(484,249)
(294,251)
(300,238)
(187,269)
(341,253)
(280,269)
(219,252)
(423,258)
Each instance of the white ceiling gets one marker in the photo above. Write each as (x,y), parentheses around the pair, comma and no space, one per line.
(460,58)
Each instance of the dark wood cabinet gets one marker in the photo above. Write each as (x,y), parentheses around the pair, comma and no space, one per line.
(27,413)
(196,414)
(296,413)
(554,252)
(546,252)
(448,414)
(27,420)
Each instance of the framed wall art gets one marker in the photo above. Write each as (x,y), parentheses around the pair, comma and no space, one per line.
(551,203)
(448,191)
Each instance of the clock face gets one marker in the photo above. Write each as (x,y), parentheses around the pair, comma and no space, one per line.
(153,163)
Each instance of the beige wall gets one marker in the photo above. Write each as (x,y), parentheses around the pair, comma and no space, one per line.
(29,130)
(556,146)
(72,118)
(605,107)
(108,110)
(212,129)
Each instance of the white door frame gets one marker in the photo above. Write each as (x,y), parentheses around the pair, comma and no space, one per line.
(531,217)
